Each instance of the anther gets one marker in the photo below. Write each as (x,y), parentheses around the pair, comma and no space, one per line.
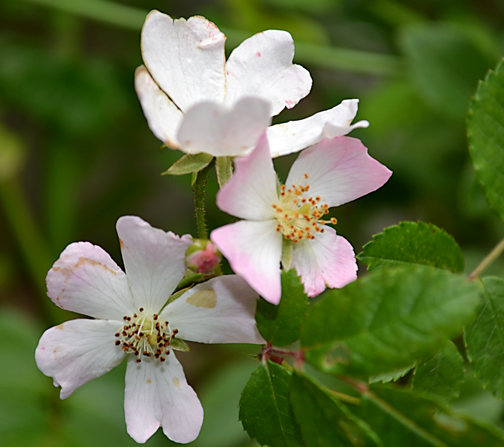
(117,342)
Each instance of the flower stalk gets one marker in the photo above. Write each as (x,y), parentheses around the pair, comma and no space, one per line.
(198,189)
(487,261)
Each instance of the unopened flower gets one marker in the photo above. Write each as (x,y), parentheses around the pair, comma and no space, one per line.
(331,173)
(202,256)
(131,321)
(196,101)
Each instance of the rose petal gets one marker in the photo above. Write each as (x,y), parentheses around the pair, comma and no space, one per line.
(253,250)
(86,280)
(252,190)
(294,136)
(328,260)
(78,351)
(154,261)
(339,170)
(213,128)
(185,58)
(162,115)
(158,394)
(262,66)
(220,310)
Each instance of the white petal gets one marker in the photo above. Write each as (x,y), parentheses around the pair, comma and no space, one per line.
(185,58)
(162,115)
(339,170)
(220,310)
(262,66)
(221,131)
(78,351)
(154,261)
(252,190)
(86,280)
(294,136)
(158,394)
(328,260)
(253,250)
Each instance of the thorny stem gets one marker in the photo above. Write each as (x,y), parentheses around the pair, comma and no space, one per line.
(199,202)
(491,257)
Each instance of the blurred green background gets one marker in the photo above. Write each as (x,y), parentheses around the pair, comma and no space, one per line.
(76,154)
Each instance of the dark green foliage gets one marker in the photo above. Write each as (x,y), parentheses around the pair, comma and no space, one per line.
(387,320)
(281,325)
(413,243)
(485,337)
(265,409)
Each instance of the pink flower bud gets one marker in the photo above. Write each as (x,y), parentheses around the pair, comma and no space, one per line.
(202,256)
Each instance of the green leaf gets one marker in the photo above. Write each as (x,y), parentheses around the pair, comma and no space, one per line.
(413,243)
(387,320)
(265,409)
(441,375)
(325,421)
(281,325)
(485,128)
(189,163)
(402,418)
(224,169)
(484,338)
(445,65)
(179,345)
(392,376)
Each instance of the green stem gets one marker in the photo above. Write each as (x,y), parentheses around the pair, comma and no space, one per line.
(491,257)
(31,243)
(317,55)
(199,201)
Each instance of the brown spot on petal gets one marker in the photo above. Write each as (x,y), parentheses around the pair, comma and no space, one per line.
(60,326)
(148,381)
(176,382)
(203,298)
(83,261)
(121,243)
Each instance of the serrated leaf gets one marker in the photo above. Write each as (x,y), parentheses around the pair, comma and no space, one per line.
(442,375)
(224,169)
(265,409)
(387,320)
(484,338)
(189,163)
(324,421)
(413,243)
(403,418)
(445,65)
(485,129)
(281,325)
(392,376)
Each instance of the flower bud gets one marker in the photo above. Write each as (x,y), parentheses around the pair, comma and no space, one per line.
(202,256)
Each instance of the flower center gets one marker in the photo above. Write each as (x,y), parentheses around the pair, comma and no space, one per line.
(299,216)
(145,335)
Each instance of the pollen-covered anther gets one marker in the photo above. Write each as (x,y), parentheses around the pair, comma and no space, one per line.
(300,216)
(147,336)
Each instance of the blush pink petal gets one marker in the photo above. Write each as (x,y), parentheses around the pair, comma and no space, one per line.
(154,261)
(185,58)
(162,115)
(221,131)
(293,136)
(157,394)
(339,170)
(251,191)
(328,260)
(253,250)
(78,351)
(262,66)
(221,310)
(86,280)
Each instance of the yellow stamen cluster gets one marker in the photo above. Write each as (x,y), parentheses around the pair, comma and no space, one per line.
(145,335)
(300,217)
